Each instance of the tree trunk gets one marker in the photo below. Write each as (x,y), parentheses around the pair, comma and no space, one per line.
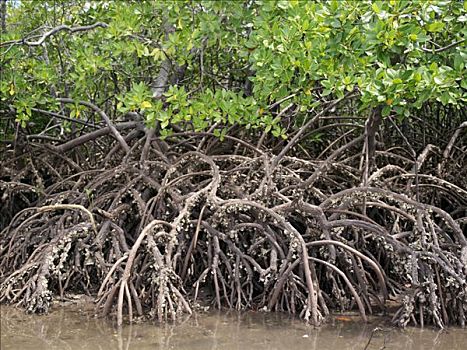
(371,127)
(3,15)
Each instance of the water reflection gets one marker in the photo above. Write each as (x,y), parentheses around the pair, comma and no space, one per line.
(77,328)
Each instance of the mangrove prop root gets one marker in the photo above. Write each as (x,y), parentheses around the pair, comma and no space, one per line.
(155,234)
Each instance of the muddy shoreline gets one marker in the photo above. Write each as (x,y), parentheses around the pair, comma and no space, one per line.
(75,326)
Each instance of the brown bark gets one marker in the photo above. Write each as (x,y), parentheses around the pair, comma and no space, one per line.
(371,127)
(3,15)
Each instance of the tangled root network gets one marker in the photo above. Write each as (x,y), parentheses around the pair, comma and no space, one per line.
(154,235)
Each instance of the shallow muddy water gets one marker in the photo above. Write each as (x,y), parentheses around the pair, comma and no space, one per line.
(75,327)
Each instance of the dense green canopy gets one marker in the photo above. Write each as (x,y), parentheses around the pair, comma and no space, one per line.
(226,62)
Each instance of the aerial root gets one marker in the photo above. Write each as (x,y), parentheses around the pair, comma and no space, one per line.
(156,236)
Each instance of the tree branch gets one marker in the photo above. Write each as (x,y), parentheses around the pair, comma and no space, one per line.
(104,116)
(299,134)
(54,31)
(455,43)
(94,135)
(60,116)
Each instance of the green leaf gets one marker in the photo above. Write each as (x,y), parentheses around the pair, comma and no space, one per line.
(437,26)
(438,80)
(375,8)
(146,105)
(386,110)
(458,62)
